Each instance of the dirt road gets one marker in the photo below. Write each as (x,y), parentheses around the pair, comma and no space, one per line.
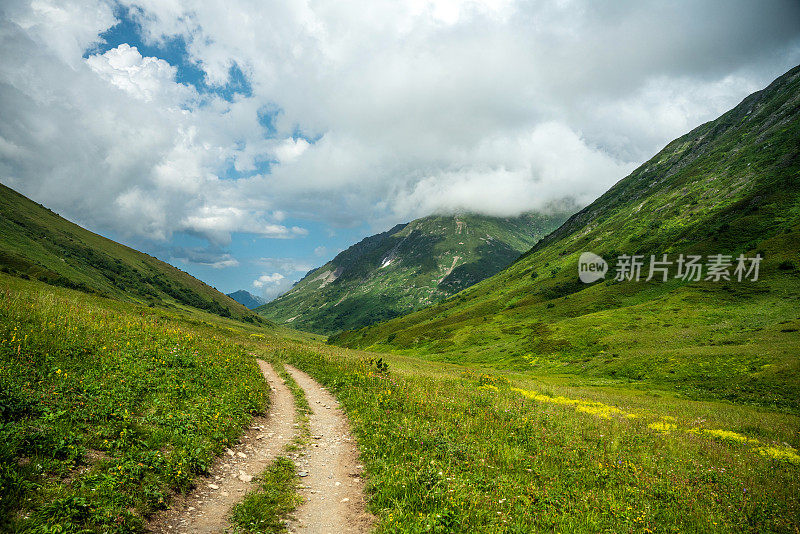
(206,509)
(331,478)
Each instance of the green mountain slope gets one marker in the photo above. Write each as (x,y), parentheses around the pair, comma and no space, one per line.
(39,244)
(730,186)
(408,267)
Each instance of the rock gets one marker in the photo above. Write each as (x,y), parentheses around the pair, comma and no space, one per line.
(345,500)
(213,486)
(302,474)
(241,454)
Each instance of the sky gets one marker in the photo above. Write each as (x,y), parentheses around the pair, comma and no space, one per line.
(248,141)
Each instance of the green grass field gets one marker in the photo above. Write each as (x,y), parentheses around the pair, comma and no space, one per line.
(448,449)
(110,407)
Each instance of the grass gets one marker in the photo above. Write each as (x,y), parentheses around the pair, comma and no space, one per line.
(267,508)
(447,449)
(301,405)
(264,510)
(107,408)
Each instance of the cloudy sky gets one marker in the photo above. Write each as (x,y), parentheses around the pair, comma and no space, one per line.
(247,141)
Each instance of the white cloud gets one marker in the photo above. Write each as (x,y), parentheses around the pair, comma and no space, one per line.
(286,265)
(413,107)
(267,279)
(290,149)
(215,261)
(271,286)
(144,78)
(66,27)
(217,222)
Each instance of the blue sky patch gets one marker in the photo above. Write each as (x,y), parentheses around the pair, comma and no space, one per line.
(174,51)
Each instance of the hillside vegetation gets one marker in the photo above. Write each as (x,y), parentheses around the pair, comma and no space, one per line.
(37,243)
(107,408)
(731,186)
(406,268)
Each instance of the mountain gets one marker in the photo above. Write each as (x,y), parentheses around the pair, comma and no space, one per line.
(39,244)
(730,186)
(247,299)
(406,268)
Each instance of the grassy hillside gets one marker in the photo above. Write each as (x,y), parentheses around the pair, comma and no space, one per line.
(448,448)
(37,243)
(730,186)
(107,408)
(408,267)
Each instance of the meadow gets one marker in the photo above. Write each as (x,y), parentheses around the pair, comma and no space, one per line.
(109,408)
(449,449)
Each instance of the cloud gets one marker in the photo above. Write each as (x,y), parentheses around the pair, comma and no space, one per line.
(144,78)
(211,258)
(267,279)
(272,285)
(372,112)
(217,223)
(66,27)
(285,265)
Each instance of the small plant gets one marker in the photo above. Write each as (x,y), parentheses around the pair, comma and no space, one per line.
(262,510)
(381,366)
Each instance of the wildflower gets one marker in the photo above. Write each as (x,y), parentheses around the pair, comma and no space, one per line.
(662,426)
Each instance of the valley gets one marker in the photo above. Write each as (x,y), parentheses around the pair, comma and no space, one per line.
(475,389)
(407,268)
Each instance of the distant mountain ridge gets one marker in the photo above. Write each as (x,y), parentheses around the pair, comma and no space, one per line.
(247,299)
(39,244)
(410,266)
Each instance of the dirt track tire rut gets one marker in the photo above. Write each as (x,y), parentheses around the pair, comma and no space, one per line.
(207,508)
(333,488)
